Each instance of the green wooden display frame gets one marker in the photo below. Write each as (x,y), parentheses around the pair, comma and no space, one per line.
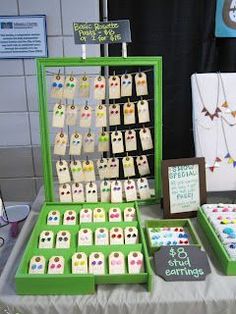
(68,283)
(227,264)
(44,63)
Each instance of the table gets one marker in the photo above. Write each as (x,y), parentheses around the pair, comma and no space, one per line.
(214,295)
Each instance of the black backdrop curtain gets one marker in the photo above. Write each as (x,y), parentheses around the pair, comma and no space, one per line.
(182,32)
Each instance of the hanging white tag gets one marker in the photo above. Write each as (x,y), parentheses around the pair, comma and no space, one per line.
(91,192)
(77,171)
(57,86)
(58,118)
(75,144)
(78,192)
(85,237)
(114,87)
(135,263)
(101,116)
(99,87)
(56,265)
(63,239)
(70,87)
(105,191)
(88,143)
(101,236)
(84,86)
(143,111)
(69,217)
(85,116)
(116,263)
(128,166)
(71,114)
(117,142)
(88,170)
(85,215)
(63,173)
(99,215)
(46,240)
(65,193)
(126,85)
(116,192)
(116,236)
(131,235)
(115,214)
(113,167)
(143,166)
(114,114)
(141,84)
(103,142)
(102,165)
(60,143)
(146,138)
(96,263)
(129,113)
(53,218)
(130,140)
(143,189)
(129,214)
(79,263)
(37,265)
(130,190)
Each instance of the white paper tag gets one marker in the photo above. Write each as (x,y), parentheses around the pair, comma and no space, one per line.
(79,263)
(56,265)
(117,142)
(105,190)
(57,86)
(63,239)
(88,170)
(91,193)
(116,236)
(78,192)
(135,263)
(58,118)
(84,86)
(99,87)
(141,84)
(60,143)
(103,142)
(99,214)
(116,192)
(128,166)
(70,87)
(143,111)
(101,236)
(46,240)
(102,165)
(115,214)
(130,140)
(114,114)
(65,193)
(146,138)
(69,217)
(126,85)
(129,214)
(85,116)
(130,190)
(77,171)
(131,235)
(129,113)
(96,263)
(143,166)
(85,237)
(143,189)
(114,87)
(85,215)
(63,173)
(88,142)
(53,218)
(71,114)
(113,167)
(116,263)
(75,144)
(37,265)
(101,116)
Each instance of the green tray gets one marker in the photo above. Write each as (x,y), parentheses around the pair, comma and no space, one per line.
(186,223)
(69,283)
(228,265)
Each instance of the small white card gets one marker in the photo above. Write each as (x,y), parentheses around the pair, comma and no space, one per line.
(135,263)
(129,113)
(56,265)
(60,143)
(99,215)
(131,235)
(63,173)
(57,86)
(143,165)
(58,117)
(71,114)
(128,166)
(70,87)
(69,217)
(102,165)
(143,111)
(114,114)
(77,171)
(101,116)
(78,192)
(75,144)
(65,193)
(79,263)
(63,239)
(116,236)
(96,263)
(126,85)
(85,237)
(130,190)
(99,87)
(143,189)
(89,142)
(101,236)
(116,263)
(146,138)
(85,215)
(91,193)
(88,170)
(115,214)
(114,87)
(113,167)
(130,140)
(85,116)
(103,142)
(116,192)
(105,191)
(37,265)
(141,84)
(84,86)
(117,142)
(53,218)
(46,240)
(129,214)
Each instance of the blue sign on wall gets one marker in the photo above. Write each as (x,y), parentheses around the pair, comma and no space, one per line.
(225,25)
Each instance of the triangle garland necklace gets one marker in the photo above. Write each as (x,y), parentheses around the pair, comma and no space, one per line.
(228,155)
(225,103)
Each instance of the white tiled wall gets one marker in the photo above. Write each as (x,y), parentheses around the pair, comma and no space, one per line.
(20,164)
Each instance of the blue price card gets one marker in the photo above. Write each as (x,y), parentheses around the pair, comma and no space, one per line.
(225,24)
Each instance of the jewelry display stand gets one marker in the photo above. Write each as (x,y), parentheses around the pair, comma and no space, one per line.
(214,127)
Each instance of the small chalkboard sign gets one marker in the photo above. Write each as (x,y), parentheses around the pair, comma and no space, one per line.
(181,263)
(184,186)
(102,32)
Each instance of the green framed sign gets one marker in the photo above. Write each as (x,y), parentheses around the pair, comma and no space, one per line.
(43,65)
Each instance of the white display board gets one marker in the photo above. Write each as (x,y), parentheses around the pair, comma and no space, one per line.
(208,133)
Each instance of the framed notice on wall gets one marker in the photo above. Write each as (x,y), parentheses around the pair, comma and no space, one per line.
(184,186)
(23,36)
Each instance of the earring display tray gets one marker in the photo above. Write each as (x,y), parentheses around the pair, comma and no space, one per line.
(28,283)
(167,226)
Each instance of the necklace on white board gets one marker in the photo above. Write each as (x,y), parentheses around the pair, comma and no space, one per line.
(225,104)
(228,155)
